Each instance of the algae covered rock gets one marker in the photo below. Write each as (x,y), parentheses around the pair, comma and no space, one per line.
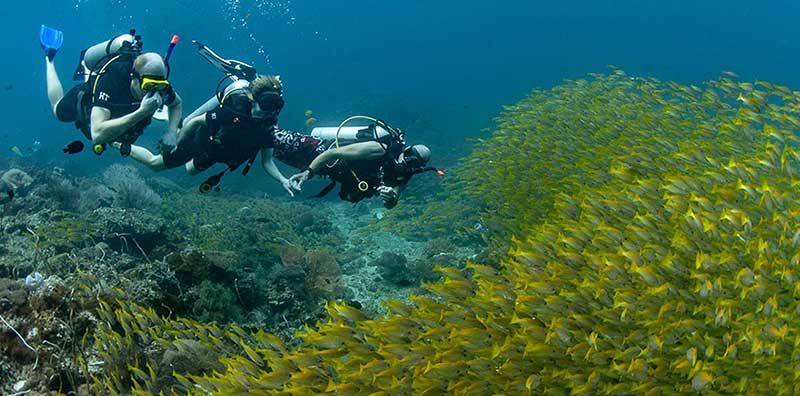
(394,269)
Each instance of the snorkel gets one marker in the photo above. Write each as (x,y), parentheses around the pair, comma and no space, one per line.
(171,47)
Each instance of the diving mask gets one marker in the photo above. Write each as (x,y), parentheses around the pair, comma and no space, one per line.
(268,104)
(154,83)
(412,157)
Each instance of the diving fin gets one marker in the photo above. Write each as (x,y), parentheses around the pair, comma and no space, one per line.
(228,66)
(51,40)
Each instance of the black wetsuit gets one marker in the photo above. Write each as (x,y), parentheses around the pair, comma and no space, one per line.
(298,150)
(384,171)
(225,138)
(112,92)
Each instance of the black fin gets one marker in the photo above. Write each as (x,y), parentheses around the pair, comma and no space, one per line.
(326,190)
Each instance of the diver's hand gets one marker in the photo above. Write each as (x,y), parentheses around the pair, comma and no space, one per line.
(389,196)
(290,187)
(151,102)
(298,179)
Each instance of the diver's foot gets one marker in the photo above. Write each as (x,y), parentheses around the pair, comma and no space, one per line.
(51,54)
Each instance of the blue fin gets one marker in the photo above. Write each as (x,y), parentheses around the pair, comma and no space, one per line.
(51,40)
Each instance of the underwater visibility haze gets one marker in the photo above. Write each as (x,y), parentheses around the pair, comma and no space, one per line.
(573,198)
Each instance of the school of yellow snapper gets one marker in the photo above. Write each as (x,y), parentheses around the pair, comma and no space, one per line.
(657,251)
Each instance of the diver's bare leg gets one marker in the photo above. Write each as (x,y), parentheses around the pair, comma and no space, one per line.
(144,156)
(54,89)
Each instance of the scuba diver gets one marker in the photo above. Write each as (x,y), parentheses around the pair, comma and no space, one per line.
(121,90)
(375,162)
(230,128)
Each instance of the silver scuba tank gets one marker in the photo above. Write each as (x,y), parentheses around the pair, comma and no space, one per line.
(99,51)
(350,134)
(213,102)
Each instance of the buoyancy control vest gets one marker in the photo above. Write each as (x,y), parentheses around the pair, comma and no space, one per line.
(360,179)
(233,139)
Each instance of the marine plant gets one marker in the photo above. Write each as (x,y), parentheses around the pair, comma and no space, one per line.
(131,190)
(670,267)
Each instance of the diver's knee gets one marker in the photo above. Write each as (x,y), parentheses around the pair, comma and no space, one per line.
(190,169)
(156,163)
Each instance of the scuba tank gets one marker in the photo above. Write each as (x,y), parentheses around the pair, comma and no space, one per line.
(99,51)
(94,55)
(214,102)
(350,134)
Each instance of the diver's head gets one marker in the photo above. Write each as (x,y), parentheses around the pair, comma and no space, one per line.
(237,98)
(415,156)
(268,94)
(149,74)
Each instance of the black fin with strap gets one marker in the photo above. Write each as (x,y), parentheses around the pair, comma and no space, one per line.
(249,163)
(326,190)
(211,182)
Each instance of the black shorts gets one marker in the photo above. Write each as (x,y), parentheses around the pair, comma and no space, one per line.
(203,162)
(67,107)
(180,155)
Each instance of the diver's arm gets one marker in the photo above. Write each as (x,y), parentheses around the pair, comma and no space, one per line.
(355,151)
(175,112)
(268,163)
(106,129)
(391,195)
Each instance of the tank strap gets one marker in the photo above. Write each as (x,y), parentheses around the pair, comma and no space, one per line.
(108,46)
(100,73)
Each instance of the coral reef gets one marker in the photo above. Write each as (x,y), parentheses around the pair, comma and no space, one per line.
(14,180)
(662,263)
(394,269)
(653,249)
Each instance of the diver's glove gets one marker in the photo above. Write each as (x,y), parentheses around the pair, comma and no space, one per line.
(389,196)
(151,102)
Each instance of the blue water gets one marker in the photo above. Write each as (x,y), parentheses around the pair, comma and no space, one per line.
(440,69)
